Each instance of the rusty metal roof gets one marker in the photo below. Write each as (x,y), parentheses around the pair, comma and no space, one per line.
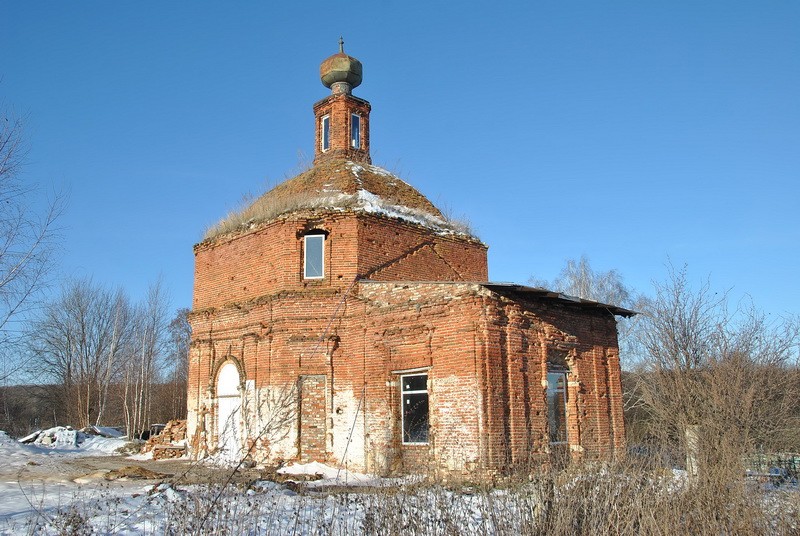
(512,288)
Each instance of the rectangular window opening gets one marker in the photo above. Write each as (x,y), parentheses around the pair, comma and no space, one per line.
(557,405)
(414,400)
(355,131)
(314,256)
(326,133)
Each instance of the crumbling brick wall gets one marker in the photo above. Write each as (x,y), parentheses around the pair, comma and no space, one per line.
(487,353)
(522,335)
(488,359)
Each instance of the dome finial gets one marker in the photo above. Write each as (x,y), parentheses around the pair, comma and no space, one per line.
(340,72)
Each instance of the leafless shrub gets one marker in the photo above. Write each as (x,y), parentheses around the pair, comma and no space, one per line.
(716,385)
(596,499)
(460,223)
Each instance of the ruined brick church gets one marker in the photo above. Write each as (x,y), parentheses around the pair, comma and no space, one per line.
(341,318)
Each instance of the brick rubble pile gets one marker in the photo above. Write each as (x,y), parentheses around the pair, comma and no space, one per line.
(170,443)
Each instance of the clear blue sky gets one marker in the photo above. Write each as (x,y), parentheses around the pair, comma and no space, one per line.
(631,132)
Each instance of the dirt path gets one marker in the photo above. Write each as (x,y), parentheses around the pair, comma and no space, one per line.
(179,471)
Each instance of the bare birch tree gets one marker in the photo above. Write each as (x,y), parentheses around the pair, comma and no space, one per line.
(144,365)
(177,366)
(579,279)
(27,236)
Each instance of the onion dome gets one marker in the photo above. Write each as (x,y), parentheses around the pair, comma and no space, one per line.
(340,72)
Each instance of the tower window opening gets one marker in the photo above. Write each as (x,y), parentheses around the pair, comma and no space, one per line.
(355,131)
(326,132)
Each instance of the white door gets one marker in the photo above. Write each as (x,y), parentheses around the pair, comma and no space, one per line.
(229,403)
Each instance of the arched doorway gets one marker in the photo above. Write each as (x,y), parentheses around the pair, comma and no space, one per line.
(229,404)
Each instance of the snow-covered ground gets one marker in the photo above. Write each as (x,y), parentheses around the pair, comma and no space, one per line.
(39,493)
(42,490)
(64,488)
(33,479)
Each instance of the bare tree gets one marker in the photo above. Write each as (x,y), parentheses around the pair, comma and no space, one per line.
(77,344)
(27,236)
(716,383)
(169,395)
(143,368)
(99,355)
(579,279)
(177,366)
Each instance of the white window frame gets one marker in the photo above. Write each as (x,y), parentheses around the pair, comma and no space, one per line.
(403,392)
(355,141)
(305,255)
(325,133)
(565,401)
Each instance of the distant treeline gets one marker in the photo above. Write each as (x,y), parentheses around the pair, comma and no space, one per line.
(26,408)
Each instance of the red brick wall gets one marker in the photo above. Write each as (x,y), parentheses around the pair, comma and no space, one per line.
(519,336)
(313,417)
(427,325)
(390,250)
(488,359)
(487,354)
(270,259)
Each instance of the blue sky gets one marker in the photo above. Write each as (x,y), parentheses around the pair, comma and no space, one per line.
(632,132)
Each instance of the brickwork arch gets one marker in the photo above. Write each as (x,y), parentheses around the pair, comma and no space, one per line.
(218,367)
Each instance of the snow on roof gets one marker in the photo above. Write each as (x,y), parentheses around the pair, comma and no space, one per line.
(340,185)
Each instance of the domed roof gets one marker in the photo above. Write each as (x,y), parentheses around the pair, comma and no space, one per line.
(340,68)
(341,185)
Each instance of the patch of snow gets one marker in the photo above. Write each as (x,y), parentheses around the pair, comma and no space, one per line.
(355,169)
(169,492)
(369,202)
(11,452)
(28,438)
(59,441)
(103,445)
(107,431)
(328,476)
(68,438)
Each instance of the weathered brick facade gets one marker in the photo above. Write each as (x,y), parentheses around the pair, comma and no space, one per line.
(402,296)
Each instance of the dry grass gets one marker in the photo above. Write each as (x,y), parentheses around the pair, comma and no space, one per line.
(252,212)
(591,499)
